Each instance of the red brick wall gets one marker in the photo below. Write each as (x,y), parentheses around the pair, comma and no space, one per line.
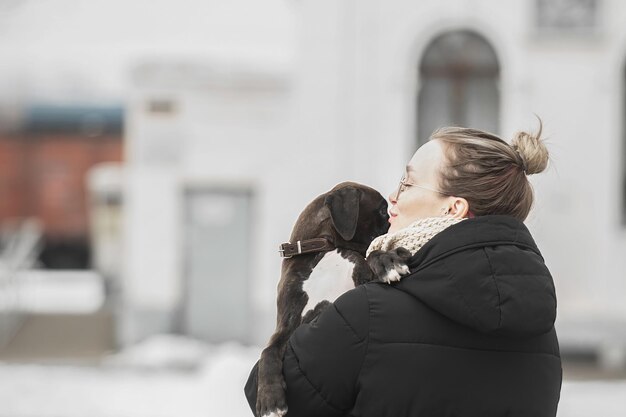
(12,181)
(45,176)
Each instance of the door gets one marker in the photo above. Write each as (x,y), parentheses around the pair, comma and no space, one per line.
(217,264)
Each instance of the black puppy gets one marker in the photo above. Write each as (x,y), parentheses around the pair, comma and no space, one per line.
(337,225)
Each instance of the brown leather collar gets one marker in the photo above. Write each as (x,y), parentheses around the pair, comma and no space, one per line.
(301,247)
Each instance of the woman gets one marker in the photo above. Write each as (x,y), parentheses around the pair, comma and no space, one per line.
(470,331)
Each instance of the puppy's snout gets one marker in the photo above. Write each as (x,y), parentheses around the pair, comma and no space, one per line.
(384,212)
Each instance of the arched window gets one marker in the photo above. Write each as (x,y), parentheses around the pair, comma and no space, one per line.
(459,74)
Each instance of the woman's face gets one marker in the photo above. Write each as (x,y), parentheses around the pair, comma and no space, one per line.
(414,202)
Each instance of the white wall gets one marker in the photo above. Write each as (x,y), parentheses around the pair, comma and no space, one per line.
(368,54)
(346,110)
(227,128)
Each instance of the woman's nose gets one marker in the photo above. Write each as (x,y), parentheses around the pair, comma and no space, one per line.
(393,196)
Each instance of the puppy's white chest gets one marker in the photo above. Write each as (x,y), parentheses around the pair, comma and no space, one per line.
(330,278)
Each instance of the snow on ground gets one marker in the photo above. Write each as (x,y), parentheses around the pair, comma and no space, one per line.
(169,376)
(157,384)
(593,398)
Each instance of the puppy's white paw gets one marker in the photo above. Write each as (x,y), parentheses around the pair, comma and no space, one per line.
(395,275)
(276,413)
(389,266)
(391,276)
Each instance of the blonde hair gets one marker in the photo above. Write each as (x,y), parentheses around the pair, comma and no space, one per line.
(488,172)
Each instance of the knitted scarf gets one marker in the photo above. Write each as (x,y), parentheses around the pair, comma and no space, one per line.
(414,236)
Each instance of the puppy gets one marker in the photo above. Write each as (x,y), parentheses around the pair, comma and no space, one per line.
(337,225)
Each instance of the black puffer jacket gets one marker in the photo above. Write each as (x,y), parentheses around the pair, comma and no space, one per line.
(469,333)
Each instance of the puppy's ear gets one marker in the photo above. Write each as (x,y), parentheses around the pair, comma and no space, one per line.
(343,205)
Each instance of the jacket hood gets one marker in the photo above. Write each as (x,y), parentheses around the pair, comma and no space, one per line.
(486,273)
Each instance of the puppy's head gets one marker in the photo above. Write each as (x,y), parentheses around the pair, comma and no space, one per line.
(357,214)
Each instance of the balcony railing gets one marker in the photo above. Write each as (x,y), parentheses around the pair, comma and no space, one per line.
(20,243)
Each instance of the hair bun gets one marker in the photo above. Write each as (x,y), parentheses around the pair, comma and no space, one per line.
(531,150)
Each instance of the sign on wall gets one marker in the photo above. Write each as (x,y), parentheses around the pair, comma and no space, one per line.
(565,16)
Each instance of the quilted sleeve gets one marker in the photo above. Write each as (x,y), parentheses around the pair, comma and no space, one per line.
(323,359)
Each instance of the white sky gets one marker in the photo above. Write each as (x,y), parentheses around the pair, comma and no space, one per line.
(73,49)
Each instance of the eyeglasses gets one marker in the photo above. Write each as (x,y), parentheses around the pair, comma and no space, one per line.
(404,183)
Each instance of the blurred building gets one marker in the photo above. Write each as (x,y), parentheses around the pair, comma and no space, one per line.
(46,155)
(211,143)
(239,113)
(44,163)
(77,60)
(208,145)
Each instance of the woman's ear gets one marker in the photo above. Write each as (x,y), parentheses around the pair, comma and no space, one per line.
(459,208)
